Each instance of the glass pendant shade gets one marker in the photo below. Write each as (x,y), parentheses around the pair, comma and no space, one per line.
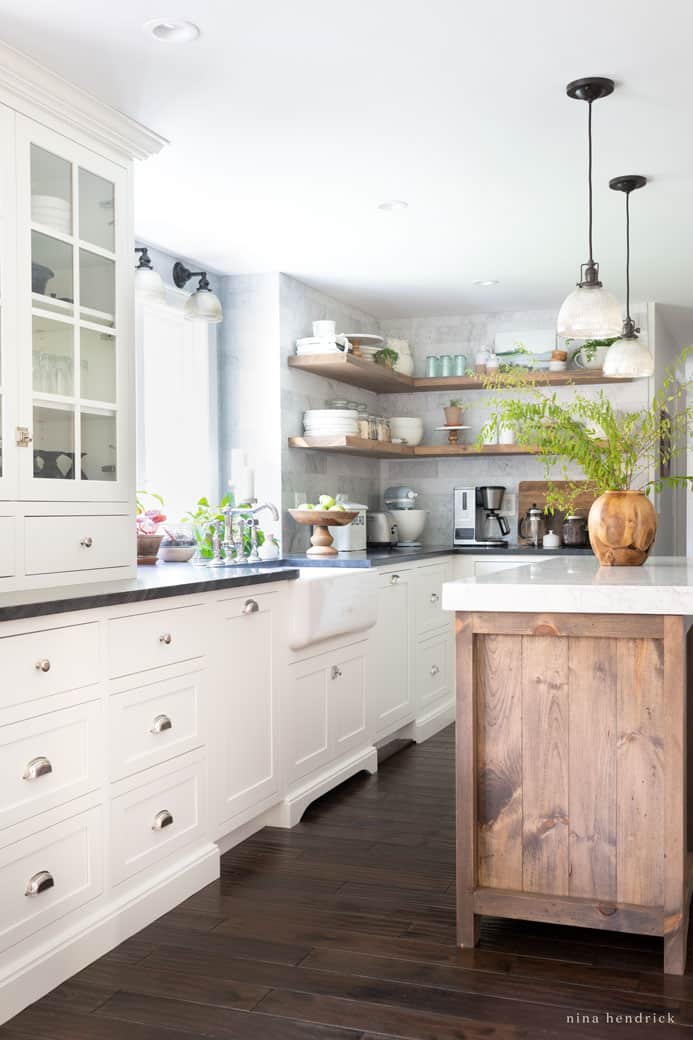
(204,305)
(628,358)
(149,285)
(589,313)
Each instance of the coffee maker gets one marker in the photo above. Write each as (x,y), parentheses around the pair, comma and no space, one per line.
(476,516)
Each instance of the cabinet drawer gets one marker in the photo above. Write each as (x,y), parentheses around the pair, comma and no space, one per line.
(154,723)
(48,760)
(151,640)
(247,604)
(78,543)
(433,669)
(45,876)
(155,820)
(428,585)
(8,563)
(40,664)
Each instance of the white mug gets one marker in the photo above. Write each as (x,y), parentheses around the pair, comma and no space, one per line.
(324,329)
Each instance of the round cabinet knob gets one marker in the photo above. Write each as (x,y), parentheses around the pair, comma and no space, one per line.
(394,579)
(43,665)
(166,639)
(435,670)
(161,723)
(336,672)
(39,883)
(161,820)
(87,542)
(37,767)
(251,607)
(435,598)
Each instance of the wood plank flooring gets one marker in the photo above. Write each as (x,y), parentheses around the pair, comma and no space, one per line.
(344,929)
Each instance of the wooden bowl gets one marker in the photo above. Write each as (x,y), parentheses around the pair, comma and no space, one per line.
(320,519)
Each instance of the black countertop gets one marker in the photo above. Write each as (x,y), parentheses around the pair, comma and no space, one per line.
(383,557)
(158,582)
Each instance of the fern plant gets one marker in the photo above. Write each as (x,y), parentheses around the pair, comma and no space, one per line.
(616,451)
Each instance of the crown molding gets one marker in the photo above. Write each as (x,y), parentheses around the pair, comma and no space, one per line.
(27,86)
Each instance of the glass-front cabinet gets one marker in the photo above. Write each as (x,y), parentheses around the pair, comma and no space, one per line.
(8,384)
(73,369)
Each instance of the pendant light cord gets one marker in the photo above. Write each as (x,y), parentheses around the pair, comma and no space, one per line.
(628,255)
(589,175)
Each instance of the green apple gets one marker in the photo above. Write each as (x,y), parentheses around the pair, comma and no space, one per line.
(337,508)
(326,501)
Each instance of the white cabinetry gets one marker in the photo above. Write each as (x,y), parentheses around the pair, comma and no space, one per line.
(391,651)
(66,330)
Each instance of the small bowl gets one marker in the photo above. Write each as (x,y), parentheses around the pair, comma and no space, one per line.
(176,553)
(409,428)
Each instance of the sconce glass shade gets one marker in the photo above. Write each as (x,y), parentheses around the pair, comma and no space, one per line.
(149,285)
(204,305)
(630,358)
(589,313)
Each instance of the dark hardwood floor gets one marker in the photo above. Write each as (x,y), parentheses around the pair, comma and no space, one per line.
(343,929)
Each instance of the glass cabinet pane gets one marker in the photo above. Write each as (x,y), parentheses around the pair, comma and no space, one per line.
(2,426)
(51,190)
(96,210)
(97,366)
(53,356)
(98,445)
(51,269)
(54,442)
(96,287)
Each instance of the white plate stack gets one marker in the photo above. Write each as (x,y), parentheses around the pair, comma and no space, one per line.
(322,345)
(331,422)
(52,211)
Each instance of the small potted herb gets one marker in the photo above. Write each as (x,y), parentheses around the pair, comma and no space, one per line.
(387,357)
(453,412)
(147,522)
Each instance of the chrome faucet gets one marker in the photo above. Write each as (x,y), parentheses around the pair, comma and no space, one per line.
(247,517)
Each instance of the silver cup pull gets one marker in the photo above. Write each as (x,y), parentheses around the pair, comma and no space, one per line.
(39,766)
(336,671)
(87,542)
(435,670)
(394,579)
(166,639)
(39,883)
(435,598)
(43,665)
(161,723)
(161,820)
(251,606)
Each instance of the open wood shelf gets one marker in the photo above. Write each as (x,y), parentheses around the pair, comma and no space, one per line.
(382,380)
(383,450)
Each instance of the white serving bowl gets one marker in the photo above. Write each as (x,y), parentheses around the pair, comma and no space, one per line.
(410,523)
(176,553)
(409,429)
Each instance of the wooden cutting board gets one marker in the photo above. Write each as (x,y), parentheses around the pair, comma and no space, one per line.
(531,491)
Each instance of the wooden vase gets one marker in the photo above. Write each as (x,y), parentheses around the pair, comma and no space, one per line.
(622,527)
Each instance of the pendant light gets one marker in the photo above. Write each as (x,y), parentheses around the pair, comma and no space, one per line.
(203,304)
(628,356)
(590,312)
(149,284)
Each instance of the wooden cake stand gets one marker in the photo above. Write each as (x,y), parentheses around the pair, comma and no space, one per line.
(321,539)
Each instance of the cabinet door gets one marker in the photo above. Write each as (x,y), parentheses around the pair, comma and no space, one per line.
(348,709)
(8,310)
(306,718)
(249,759)
(74,331)
(391,653)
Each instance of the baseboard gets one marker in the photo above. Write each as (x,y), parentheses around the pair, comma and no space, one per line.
(46,965)
(246,830)
(426,726)
(289,812)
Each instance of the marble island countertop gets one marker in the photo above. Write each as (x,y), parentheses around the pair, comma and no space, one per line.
(575,585)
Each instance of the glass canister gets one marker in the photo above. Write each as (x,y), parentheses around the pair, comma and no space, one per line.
(372,427)
(364,425)
(460,364)
(381,426)
(574,530)
(432,366)
(447,365)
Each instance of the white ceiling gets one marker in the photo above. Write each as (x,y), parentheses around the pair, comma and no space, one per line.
(290,122)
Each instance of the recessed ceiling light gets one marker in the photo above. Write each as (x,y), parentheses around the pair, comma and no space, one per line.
(485,281)
(393,204)
(172,30)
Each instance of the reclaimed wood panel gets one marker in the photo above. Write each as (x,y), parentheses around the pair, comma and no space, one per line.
(499,750)
(592,668)
(466,781)
(545,714)
(675,884)
(640,770)
(602,626)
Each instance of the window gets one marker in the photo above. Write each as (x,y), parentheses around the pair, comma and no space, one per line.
(177,448)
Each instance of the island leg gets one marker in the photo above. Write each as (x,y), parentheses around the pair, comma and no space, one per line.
(676,883)
(466,786)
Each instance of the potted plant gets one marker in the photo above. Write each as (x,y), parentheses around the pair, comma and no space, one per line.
(147,522)
(203,518)
(624,456)
(592,352)
(387,356)
(453,412)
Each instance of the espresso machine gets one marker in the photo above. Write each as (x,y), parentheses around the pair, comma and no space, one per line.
(476,516)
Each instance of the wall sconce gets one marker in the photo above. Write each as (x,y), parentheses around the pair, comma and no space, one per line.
(203,303)
(149,284)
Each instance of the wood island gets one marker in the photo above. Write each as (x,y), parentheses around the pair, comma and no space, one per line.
(572,744)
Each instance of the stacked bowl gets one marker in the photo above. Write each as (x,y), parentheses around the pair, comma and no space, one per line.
(331,422)
(52,211)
